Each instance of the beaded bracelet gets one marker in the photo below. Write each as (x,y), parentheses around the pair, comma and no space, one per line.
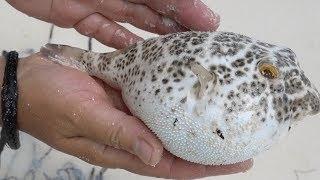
(9,102)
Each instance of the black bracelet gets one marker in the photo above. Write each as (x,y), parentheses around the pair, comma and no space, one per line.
(9,102)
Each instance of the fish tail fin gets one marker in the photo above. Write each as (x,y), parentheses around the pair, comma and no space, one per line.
(73,57)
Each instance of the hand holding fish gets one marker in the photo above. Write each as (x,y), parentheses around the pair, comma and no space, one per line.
(86,118)
(99,18)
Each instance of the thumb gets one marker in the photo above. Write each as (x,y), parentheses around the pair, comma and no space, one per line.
(110,126)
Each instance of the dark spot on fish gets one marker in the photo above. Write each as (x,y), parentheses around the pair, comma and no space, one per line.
(157,91)
(165,81)
(184,100)
(219,133)
(175,122)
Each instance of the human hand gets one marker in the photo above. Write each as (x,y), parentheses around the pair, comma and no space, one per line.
(97,18)
(81,116)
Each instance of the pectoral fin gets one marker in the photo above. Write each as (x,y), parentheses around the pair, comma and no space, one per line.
(207,80)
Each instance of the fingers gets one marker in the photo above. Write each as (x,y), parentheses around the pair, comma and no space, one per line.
(96,18)
(106,31)
(193,14)
(229,169)
(41,11)
(68,13)
(96,153)
(109,126)
(169,167)
(175,168)
(138,15)
(62,13)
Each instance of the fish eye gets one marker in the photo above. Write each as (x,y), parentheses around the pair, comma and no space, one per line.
(268,70)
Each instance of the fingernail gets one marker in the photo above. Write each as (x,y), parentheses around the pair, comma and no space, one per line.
(146,152)
(213,17)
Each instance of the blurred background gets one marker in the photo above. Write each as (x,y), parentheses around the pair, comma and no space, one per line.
(292,23)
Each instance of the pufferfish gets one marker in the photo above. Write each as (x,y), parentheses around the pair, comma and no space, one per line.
(211,97)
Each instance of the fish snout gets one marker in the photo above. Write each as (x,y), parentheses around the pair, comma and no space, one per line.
(314,102)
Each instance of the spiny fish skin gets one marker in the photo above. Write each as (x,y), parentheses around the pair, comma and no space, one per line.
(211,97)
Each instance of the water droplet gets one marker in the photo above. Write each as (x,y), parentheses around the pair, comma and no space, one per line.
(131,41)
(106,25)
(120,33)
(152,25)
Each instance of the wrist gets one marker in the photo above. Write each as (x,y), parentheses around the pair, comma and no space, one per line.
(29,99)
(23,66)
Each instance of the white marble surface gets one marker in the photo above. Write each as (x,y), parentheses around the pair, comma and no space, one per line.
(293,23)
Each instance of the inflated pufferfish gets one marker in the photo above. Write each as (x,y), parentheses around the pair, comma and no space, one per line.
(211,97)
